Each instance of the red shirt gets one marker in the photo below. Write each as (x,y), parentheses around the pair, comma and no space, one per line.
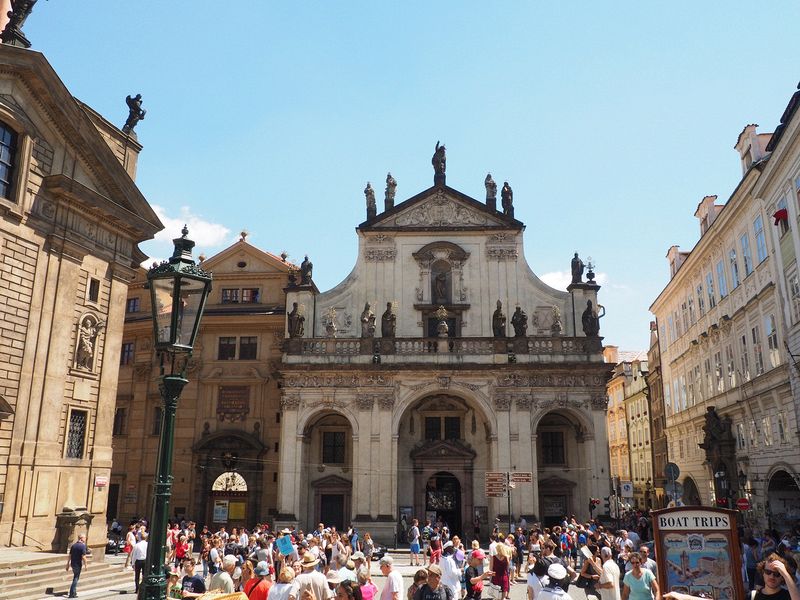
(257,590)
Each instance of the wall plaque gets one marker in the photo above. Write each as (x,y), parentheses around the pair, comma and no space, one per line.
(233,402)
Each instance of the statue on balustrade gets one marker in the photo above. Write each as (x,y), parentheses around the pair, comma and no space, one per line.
(519,321)
(388,322)
(499,321)
(367,322)
(296,321)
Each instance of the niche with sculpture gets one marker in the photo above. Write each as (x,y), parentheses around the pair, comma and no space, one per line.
(86,343)
(441,278)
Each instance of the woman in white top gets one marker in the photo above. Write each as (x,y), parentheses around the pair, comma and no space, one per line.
(280,589)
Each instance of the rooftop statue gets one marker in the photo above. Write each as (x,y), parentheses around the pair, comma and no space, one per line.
(499,321)
(372,207)
(507,195)
(391,187)
(491,192)
(306,270)
(577,269)
(135,112)
(439,162)
(12,34)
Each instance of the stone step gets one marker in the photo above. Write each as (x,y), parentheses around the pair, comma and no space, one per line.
(35,567)
(58,580)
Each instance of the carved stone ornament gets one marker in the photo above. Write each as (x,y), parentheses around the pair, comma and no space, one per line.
(559,380)
(386,401)
(365,401)
(318,381)
(501,253)
(441,211)
(599,401)
(502,402)
(524,402)
(290,402)
(380,254)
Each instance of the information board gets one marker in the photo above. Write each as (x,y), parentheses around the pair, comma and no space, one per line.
(697,551)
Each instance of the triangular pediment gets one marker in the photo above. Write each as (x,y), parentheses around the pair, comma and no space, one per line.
(442,449)
(441,208)
(229,261)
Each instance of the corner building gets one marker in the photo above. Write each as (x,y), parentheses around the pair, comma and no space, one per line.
(379,428)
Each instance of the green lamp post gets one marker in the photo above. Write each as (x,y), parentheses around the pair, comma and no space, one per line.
(178,293)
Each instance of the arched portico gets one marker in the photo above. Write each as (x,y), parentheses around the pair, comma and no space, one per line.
(783,498)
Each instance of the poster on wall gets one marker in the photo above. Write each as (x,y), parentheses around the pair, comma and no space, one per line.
(697,551)
(220,511)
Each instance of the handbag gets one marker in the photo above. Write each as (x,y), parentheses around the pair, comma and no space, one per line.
(583,582)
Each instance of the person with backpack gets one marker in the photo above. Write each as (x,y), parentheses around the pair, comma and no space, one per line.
(413,541)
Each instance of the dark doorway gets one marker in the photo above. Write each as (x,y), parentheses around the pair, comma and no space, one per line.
(443,501)
(553,509)
(331,511)
(113,501)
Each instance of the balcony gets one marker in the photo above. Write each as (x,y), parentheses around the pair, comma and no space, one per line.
(443,350)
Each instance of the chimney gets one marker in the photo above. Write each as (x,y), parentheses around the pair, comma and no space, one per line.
(611,354)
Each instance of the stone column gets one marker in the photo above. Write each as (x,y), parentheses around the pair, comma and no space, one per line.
(534,468)
(524,457)
(291,450)
(385,467)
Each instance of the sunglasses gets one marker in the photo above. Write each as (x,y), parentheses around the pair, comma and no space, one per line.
(772,573)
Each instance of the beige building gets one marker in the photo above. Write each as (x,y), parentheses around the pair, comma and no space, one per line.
(402,387)
(70,221)
(228,421)
(728,403)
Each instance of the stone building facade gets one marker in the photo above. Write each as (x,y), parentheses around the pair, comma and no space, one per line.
(70,221)
(729,408)
(402,386)
(662,489)
(228,421)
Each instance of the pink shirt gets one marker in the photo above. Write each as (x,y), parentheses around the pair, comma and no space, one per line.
(368,591)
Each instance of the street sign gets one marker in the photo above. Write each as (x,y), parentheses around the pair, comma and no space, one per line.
(522,477)
(743,504)
(672,471)
(496,476)
(626,489)
(495,484)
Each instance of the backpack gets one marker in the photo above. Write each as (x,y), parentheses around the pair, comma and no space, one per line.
(410,535)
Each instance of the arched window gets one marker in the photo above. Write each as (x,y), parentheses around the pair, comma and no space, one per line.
(8,148)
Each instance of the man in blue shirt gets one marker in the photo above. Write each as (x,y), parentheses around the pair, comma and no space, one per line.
(77,561)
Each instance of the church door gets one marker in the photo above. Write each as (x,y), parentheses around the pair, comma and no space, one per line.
(443,500)
(331,511)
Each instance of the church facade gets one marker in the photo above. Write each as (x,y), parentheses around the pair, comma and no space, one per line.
(440,358)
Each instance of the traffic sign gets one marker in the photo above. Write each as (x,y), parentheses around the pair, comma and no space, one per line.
(672,471)
(626,489)
(743,504)
(522,477)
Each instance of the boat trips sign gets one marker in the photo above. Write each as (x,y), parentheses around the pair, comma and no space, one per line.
(697,551)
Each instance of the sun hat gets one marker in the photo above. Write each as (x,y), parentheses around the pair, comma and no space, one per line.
(447,544)
(350,565)
(386,560)
(435,569)
(262,568)
(334,577)
(309,560)
(358,556)
(556,571)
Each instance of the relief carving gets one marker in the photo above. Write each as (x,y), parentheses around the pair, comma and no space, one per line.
(89,328)
(441,212)
(502,402)
(380,254)
(290,402)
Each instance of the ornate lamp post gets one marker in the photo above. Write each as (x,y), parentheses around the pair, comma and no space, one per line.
(178,292)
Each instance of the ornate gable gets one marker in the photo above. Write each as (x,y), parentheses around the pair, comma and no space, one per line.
(441,208)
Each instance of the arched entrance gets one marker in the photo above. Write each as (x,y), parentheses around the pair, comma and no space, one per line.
(691,495)
(443,500)
(229,500)
(783,497)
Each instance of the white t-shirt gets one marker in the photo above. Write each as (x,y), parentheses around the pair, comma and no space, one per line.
(535,584)
(610,574)
(394,584)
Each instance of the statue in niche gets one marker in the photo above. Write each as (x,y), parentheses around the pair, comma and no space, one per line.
(499,321)
(388,322)
(88,330)
(491,192)
(577,269)
(306,269)
(556,327)
(519,321)
(391,187)
(367,322)
(135,113)
(296,321)
(372,207)
(507,199)
(440,288)
(591,319)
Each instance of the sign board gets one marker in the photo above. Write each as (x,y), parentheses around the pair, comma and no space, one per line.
(131,494)
(697,550)
(100,481)
(672,471)
(284,544)
(522,477)
(495,484)
(220,511)
(233,402)
(626,489)
(743,504)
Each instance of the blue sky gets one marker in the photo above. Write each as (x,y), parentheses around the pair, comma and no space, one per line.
(610,120)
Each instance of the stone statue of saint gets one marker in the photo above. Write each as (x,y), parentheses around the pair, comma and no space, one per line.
(499,321)
(439,160)
(296,322)
(306,269)
(591,319)
(556,327)
(577,269)
(507,196)
(88,331)
(329,320)
(135,113)
(388,322)
(519,321)
(440,288)
(372,207)
(367,322)
(12,34)
(491,192)
(391,188)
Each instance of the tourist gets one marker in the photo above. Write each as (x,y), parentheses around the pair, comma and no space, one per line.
(348,590)
(138,558)
(557,577)
(433,588)
(435,546)
(369,547)
(222,580)
(309,579)
(778,582)
(639,583)
(282,587)
(130,542)
(393,586)
(77,562)
(420,577)
(451,574)
(520,541)
(537,576)
(368,589)
(608,584)
(192,586)
(473,578)
(258,587)
(413,541)
(591,570)
(500,567)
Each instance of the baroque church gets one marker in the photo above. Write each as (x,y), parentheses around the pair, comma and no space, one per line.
(439,359)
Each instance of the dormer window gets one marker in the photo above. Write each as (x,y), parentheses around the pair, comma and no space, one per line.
(8,148)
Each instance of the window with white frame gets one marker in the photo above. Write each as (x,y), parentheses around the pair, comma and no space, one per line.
(712,301)
(740,440)
(794,292)
(783,224)
(718,372)
(761,240)
(772,341)
(758,354)
(673,334)
(667,400)
(731,364)
(678,323)
(781,420)
(746,257)
(722,282)
(766,430)
(690,305)
(701,302)
(734,268)
(676,395)
(744,357)
(683,392)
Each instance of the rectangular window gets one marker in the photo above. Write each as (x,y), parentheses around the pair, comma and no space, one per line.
(712,301)
(667,401)
(794,291)
(76,434)
(757,350)
(678,323)
(698,382)
(227,348)
(745,358)
(676,396)
(740,441)
(748,260)
(781,428)
(772,341)
(766,430)
(722,282)
(690,304)
(690,391)
(753,433)
(94,290)
(158,417)
(731,364)
(685,316)
(132,306)
(783,224)
(761,240)
(709,378)
(718,372)
(126,354)
(248,347)
(120,420)
(553,448)
(433,428)
(683,393)
(333,447)
(250,296)
(701,301)
(452,428)
(8,148)
(673,334)
(230,295)
(734,269)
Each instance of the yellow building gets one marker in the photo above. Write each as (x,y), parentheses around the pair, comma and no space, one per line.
(228,421)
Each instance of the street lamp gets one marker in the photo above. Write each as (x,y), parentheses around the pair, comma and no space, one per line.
(178,293)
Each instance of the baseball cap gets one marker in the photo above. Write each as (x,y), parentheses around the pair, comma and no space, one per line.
(556,571)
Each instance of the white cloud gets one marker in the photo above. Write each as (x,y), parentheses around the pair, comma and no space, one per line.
(561,279)
(205,233)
